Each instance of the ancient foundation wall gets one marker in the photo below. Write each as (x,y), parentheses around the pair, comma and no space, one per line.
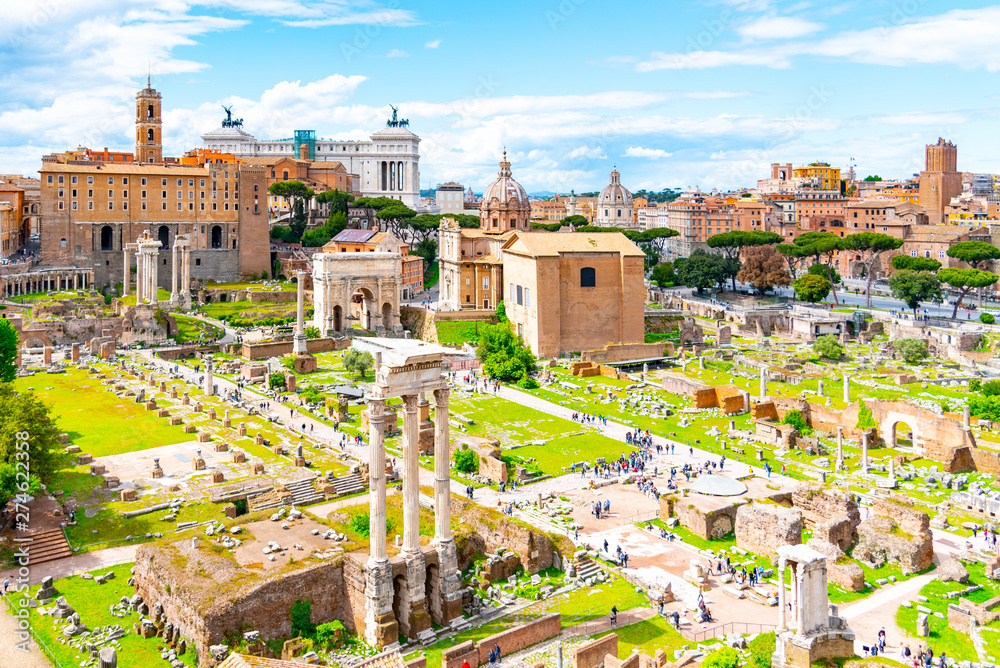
(510,641)
(712,524)
(678,384)
(591,654)
(762,528)
(831,513)
(623,352)
(257,351)
(490,530)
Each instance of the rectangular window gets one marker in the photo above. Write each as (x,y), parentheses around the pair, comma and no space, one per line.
(90,179)
(913,253)
(190,183)
(190,194)
(486,282)
(180,194)
(202,183)
(124,180)
(227,206)
(90,193)
(163,206)
(49,179)
(468,282)
(143,181)
(60,207)
(90,206)
(60,178)
(163,182)
(143,206)
(73,206)
(180,182)
(941,255)
(73,180)
(124,206)
(73,195)
(520,296)
(215,207)
(111,180)
(163,194)
(527,298)
(190,206)
(124,194)
(510,295)
(62,193)
(179,205)
(202,206)
(111,206)
(143,194)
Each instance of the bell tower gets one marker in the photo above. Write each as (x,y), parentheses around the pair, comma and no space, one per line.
(148,126)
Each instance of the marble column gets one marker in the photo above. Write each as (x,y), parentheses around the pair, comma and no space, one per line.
(864,452)
(781,595)
(966,418)
(763,384)
(800,586)
(209,384)
(442,475)
(299,346)
(174,283)
(840,447)
(411,475)
(138,277)
(381,628)
(847,389)
(154,275)
(821,390)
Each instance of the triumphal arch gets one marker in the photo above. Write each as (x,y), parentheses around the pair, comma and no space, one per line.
(356,288)
(421,584)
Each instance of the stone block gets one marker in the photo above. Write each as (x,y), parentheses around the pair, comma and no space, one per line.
(221,446)
(176,421)
(258,468)
(204,437)
(84,458)
(217,476)
(97,469)
(238,457)
(190,429)
(163,413)
(128,495)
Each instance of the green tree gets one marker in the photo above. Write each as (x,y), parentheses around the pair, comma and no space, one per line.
(302,625)
(330,634)
(501,311)
(663,274)
(503,353)
(870,245)
(915,263)
(794,256)
(987,318)
(701,270)
(811,288)
(822,245)
(725,657)
(914,287)
(11,486)
(829,347)
(8,351)
(976,254)
(912,350)
(761,648)
(24,414)
(576,220)
(337,199)
(795,419)
(965,280)
(297,193)
(873,177)
(357,362)
(763,268)
(732,243)
(276,381)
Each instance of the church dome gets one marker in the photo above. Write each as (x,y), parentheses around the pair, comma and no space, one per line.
(506,190)
(615,194)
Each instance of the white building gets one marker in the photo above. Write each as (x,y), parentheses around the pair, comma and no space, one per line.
(388,164)
(614,205)
(450,197)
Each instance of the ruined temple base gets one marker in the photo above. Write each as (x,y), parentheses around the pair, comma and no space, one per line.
(305,363)
(802,652)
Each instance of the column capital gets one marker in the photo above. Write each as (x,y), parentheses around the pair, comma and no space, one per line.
(441,396)
(410,402)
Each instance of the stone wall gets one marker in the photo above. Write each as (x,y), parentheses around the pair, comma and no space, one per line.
(896,533)
(840,569)
(676,383)
(832,514)
(183,352)
(210,597)
(490,529)
(763,527)
(76,330)
(510,641)
(624,352)
(714,523)
(591,654)
(258,351)
(661,323)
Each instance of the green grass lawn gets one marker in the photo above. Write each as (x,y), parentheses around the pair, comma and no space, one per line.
(431,276)
(647,637)
(108,528)
(458,332)
(565,442)
(98,421)
(274,312)
(92,601)
(191,329)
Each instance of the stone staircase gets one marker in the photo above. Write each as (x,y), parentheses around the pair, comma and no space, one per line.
(302,493)
(348,484)
(48,546)
(586,568)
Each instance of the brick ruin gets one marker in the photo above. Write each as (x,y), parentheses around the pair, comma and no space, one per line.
(832,514)
(763,527)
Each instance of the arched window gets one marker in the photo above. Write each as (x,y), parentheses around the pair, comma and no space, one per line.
(149,111)
(284,175)
(107,238)
(216,236)
(163,234)
(588,277)
(605,213)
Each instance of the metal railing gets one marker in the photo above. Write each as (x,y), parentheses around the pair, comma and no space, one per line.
(723,629)
(642,517)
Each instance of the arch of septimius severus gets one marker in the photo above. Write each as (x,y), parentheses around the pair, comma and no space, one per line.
(422,584)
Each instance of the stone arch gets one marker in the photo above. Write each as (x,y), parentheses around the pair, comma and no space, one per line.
(898,429)
(34,340)
(338,318)
(163,234)
(432,593)
(398,596)
(107,238)
(363,307)
(216,236)
(386,314)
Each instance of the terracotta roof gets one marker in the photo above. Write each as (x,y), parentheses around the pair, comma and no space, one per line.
(115,168)
(553,243)
(939,233)
(489,258)
(247,661)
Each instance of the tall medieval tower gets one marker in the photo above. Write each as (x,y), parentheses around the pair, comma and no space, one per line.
(940,180)
(148,126)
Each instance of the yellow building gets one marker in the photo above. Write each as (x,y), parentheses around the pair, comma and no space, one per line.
(821,174)
(8,229)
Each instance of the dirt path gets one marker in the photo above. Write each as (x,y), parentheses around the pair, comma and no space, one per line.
(13,657)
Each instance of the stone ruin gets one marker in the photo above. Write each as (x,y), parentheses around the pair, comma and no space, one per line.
(832,514)
(764,527)
(896,533)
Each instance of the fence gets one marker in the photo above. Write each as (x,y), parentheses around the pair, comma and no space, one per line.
(601,624)
(642,517)
(723,629)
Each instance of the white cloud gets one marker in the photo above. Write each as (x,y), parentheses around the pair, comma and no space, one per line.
(595,153)
(397,53)
(650,153)
(921,118)
(778,27)
(969,39)
(433,44)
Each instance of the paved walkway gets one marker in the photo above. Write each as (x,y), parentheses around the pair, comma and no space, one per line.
(35,657)
(79,563)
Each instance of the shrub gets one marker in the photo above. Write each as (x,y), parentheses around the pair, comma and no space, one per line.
(795,419)
(466,461)
(986,318)
(277,381)
(990,388)
(912,350)
(359,524)
(865,418)
(501,312)
(302,625)
(985,407)
(527,383)
(761,648)
(726,657)
(975,385)
(329,635)
(828,346)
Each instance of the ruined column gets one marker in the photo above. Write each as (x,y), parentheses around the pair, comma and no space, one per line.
(781,595)
(800,588)
(411,475)
(448,607)
(864,452)
(892,470)
(840,447)
(847,389)
(209,385)
(107,657)
(413,603)
(763,383)
(821,391)
(966,418)
(381,628)
(299,341)
(174,283)
(154,260)
(138,276)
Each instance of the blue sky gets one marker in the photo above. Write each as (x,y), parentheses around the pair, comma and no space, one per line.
(675,94)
